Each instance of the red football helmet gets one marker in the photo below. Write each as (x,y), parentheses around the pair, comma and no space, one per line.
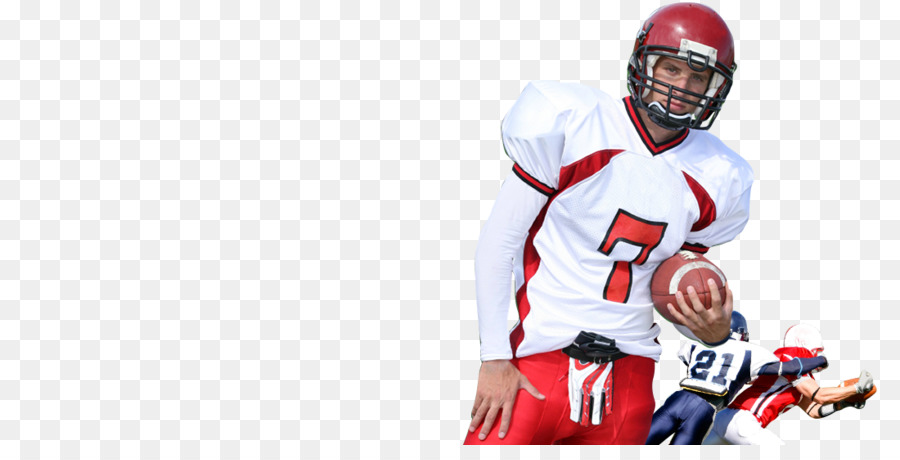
(695,34)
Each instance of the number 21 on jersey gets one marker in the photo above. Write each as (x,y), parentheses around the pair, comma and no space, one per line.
(709,373)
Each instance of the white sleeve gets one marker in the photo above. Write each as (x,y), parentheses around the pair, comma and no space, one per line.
(731,215)
(504,233)
(534,134)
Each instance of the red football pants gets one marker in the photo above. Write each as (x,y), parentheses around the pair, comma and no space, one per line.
(547,422)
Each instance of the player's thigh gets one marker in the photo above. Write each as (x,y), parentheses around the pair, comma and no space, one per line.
(713,438)
(720,426)
(695,427)
(664,421)
(764,437)
(633,403)
(744,429)
(524,424)
(661,427)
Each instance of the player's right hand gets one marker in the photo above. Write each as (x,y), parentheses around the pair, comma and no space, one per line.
(498,385)
(710,325)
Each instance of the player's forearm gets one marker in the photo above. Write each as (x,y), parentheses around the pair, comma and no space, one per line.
(493,266)
(830,395)
(501,238)
(493,307)
(796,366)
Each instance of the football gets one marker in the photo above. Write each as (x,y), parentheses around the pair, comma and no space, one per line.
(858,398)
(676,273)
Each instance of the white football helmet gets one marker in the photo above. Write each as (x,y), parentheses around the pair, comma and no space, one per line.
(804,336)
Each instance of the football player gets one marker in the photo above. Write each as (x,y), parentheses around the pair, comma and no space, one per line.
(714,377)
(602,191)
(744,420)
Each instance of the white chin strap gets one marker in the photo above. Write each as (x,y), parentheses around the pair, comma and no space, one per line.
(659,108)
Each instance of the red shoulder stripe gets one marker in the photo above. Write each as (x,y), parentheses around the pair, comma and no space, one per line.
(530,180)
(585,167)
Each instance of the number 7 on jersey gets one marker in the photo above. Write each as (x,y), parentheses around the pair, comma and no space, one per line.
(630,229)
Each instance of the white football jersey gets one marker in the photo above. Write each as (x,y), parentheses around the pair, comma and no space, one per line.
(724,369)
(619,205)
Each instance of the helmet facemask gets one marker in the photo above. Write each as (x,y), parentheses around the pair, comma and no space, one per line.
(740,334)
(699,58)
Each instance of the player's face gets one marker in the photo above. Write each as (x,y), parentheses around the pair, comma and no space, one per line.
(678,74)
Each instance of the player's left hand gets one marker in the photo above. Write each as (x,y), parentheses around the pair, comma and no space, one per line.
(711,325)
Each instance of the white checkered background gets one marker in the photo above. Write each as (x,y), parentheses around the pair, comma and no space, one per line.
(231,230)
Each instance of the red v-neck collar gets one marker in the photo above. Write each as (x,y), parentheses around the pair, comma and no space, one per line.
(644,133)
